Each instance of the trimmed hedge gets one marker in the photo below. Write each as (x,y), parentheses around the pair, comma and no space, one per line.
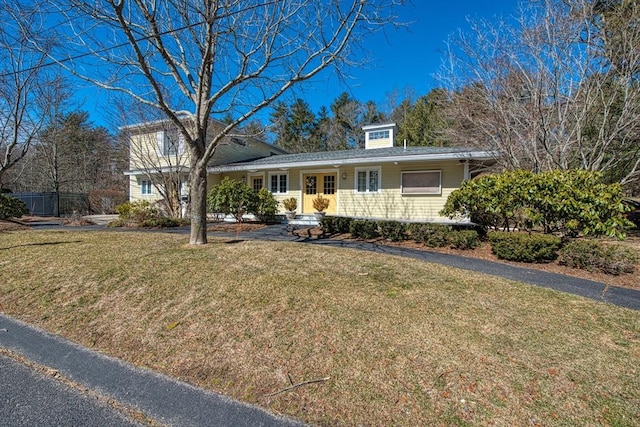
(364,229)
(432,235)
(585,254)
(524,247)
(592,255)
(464,239)
(393,231)
(335,224)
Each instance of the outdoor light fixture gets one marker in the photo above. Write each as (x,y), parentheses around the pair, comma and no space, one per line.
(344,175)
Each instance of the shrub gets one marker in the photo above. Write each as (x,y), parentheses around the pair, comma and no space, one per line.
(267,206)
(569,202)
(232,197)
(432,235)
(335,224)
(164,222)
(393,230)
(116,223)
(363,229)
(592,255)
(10,207)
(524,247)
(320,204)
(290,204)
(135,214)
(464,239)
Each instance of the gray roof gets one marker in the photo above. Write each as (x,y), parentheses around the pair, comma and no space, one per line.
(357,156)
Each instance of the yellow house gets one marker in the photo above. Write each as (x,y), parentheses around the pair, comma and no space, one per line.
(159,160)
(380,181)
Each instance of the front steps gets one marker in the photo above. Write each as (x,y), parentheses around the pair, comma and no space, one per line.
(302,219)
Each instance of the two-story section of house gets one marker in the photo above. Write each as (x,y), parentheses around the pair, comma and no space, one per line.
(159,158)
(380,181)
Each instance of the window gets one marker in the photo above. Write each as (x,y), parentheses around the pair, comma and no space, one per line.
(279,183)
(368,180)
(379,134)
(422,182)
(311,184)
(169,142)
(329,186)
(256,182)
(145,187)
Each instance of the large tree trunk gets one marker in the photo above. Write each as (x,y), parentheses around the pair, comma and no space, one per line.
(198,196)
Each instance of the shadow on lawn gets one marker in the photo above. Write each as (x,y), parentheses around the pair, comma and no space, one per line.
(40,244)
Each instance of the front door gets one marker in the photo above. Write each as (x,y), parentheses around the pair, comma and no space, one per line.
(323,184)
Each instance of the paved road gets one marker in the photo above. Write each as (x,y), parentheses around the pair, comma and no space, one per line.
(164,400)
(31,398)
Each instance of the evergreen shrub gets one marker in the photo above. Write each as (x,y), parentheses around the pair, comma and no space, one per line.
(523,247)
(592,255)
(464,239)
(266,206)
(364,229)
(393,231)
(335,224)
(232,197)
(432,235)
(10,207)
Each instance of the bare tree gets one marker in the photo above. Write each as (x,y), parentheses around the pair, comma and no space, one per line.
(546,92)
(24,82)
(212,58)
(157,150)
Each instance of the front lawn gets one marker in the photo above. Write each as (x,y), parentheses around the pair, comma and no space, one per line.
(393,341)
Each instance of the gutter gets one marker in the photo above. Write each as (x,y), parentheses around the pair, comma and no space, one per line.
(475,155)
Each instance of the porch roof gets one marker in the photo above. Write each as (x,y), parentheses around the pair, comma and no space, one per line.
(355,157)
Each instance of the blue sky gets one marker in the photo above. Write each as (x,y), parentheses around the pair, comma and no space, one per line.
(399,59)
(407,57)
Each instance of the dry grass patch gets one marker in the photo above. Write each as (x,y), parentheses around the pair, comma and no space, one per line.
(403,342)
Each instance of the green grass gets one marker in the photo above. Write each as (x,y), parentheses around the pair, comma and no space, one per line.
(403,342)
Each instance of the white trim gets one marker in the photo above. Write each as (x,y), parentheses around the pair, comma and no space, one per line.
(475,155)
(379,134)
(279,173)
(160,137)
(143,184)
(367,170)
(378,126)
(155,170)
(439,192)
